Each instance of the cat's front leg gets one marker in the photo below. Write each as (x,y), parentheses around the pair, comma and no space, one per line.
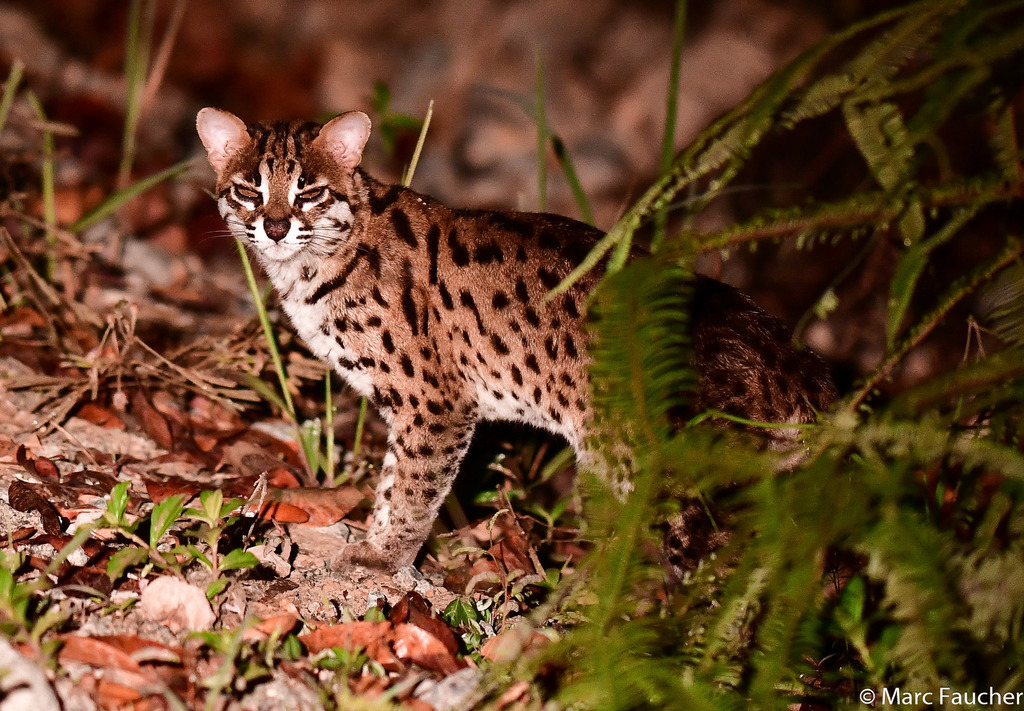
(418,473)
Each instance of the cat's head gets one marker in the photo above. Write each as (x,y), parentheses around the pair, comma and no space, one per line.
(283,187)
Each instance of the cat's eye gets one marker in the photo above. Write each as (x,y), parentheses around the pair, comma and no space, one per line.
(311,195)
(246,193)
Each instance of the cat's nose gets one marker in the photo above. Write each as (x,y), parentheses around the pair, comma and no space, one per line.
(276,229)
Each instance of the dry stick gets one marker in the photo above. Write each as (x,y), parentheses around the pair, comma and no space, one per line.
(163,56)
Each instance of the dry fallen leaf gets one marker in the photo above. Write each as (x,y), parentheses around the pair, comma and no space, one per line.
(96,652)
(513,643)
(372,637)
(415,644)
(23,497)
(279,625)
(319,507)
(414,608)
(41,467)
(153,423)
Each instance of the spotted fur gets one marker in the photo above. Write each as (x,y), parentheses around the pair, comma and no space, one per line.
(438,316)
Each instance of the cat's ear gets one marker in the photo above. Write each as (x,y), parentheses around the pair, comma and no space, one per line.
(345,137)
(223,134)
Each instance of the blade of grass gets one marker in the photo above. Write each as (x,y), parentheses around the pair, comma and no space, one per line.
(668,141)
(542,137)
(328,431)
(359,428)
(119,198)
(10,87)
(49,200)
(407,176)
(136,60)
(268,333)
(565,162)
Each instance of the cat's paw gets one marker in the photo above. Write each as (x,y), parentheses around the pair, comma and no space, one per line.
(364,554)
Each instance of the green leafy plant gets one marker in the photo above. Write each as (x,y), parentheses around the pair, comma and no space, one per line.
(891,554)
(213,518)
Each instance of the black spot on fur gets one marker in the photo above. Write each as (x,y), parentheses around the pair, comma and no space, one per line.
(387,341)
(446,298)
(517,375)
(404,228)
(499,345)
(373,260)
(407,365)
(467,300)
(570,346)
(408,303)
(547,240)
(532,317)
(548,278)
(380,203)
(433,239)
(520,227)
(570,307)
(378,297)
(522,292)
(489,252)
(551,346)
(336,282)
(460,255)
(499,300)
(531,363)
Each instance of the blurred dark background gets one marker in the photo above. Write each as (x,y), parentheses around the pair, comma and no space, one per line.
(605,69)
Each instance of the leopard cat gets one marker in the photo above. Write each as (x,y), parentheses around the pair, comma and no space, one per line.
(439,317)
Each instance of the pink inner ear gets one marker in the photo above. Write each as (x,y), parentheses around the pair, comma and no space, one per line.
(345,137)
(223,134)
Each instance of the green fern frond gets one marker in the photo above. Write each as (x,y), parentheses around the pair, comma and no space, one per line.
(642,363)
(881,137)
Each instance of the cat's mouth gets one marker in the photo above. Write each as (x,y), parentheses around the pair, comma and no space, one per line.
(278,251)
